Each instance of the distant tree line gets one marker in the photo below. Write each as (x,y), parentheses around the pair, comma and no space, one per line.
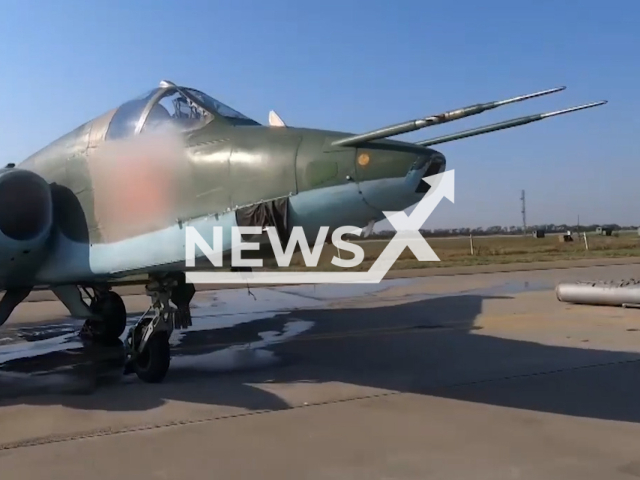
(499,230)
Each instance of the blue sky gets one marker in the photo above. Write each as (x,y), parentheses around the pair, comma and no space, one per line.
(354,66)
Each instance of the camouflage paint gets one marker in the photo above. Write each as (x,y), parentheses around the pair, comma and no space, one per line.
(148,183)
(334,207)
(120,206)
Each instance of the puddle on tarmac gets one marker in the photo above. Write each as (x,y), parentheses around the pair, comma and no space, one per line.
(244,356)
(66,364)
(232,330)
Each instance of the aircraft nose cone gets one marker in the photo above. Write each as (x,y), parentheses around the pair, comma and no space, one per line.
(390,177)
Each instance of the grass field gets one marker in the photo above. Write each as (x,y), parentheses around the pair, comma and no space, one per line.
(492,250)
(489,250)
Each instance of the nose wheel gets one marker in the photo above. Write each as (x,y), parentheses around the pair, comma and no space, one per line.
(147,344)
(149,358)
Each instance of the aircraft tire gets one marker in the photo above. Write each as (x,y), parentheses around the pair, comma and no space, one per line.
(110,307)
(152,364)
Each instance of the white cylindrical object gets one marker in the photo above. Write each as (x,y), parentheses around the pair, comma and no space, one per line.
(600,293)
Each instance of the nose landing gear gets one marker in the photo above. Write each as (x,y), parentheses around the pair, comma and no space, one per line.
(147,344)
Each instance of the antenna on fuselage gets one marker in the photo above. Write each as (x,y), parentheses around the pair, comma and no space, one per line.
(275,120)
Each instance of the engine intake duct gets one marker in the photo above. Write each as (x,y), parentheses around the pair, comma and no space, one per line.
(25,205)
(26,220)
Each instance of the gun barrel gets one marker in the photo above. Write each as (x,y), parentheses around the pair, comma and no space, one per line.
(444,117)
(504,125)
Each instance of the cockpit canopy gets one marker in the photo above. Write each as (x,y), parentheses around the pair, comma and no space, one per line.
(171,106)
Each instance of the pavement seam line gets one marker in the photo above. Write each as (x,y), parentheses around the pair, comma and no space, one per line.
(106,432)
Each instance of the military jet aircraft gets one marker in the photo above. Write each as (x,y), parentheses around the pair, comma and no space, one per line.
(112,198)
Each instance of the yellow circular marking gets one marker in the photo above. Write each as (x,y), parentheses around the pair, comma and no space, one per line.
(363,159)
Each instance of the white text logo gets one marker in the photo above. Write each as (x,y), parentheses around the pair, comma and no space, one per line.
(408,236)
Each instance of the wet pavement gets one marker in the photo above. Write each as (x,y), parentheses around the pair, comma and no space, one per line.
(407,379)
(233,330)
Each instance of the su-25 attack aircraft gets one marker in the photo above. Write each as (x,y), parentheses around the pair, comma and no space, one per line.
(107,201)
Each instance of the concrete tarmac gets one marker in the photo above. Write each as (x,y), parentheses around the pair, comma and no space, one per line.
(474,376)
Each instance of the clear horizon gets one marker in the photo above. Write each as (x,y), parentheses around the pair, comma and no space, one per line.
(354,67)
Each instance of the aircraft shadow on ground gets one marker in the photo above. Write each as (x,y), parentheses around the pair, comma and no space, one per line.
(427,347)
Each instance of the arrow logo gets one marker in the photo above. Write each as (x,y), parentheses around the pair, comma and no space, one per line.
(407,236)
(408,227)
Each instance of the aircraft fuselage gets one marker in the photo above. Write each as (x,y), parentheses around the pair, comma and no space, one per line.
(112,197)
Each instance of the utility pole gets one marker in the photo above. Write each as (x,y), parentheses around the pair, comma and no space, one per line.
(524,215)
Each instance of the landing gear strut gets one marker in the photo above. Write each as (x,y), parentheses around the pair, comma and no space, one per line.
(147,344)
